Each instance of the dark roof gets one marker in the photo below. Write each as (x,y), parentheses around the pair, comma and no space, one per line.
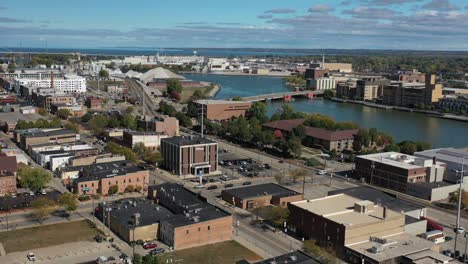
(379,197)
(142,133)
(48,133)
(105,170)
(320,133)
(187,140)
(123,210)
(53,152)
(188,206)
(8,163)
(261,190)
(296,257)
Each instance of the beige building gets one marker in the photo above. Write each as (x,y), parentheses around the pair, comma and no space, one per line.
(167,125)
(413,94)
(91,159)
(150,140)
(341,220)
(223,109)
(339,67)
(34,137)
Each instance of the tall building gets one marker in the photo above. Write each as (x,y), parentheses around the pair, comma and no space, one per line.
(413,94)
(70,84)
(370,87)
(346,89)
(322,83)
(188,155)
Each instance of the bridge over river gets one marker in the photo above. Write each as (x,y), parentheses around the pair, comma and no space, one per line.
(286,96)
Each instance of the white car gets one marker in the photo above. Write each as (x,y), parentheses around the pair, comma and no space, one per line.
(322,172)
(460,230)
(43,192)
(31,257)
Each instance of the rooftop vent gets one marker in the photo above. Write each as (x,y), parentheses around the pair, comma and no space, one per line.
(293,258)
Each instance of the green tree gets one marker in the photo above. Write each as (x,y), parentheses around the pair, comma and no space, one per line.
(114,121)
(259,111)
(236,98)
(295,146)
(174,85)
(42,112)
(113,189)
(328,94)
(33,178)
(11,68)
(86,117)
(104,74)
(139,149)
(64,113)
(97,124)
(42,208)
(129,121)
(150,259)
(130,188)
(184,120)
(68,201)
(297,174)
(279,178)
(137,259)
(73,127)
(408,147)
(118,149)
(299,132)
(130,110)
(279,215)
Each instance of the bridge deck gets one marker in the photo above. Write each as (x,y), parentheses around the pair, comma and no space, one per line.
(274,96)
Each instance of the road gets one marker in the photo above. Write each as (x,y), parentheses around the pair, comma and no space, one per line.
(138,89)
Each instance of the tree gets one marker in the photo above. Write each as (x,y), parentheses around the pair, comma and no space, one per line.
(139,149)
(42,112)
(86,117)
(176,96)
(68,201)
(114,121)
(130,110)
(236,98)
(279,215)
(129,121)
(64,113)
(11,68)
(73,127)
(299,132)
(33,178)
(278,178)
(42,208)
(297,174)
(130,188)
(97,124)
(104,74)
(328,93)
(295,146)
(118,149)
(113,189)
(137,259)
(173,85)
(150,259)
(184,120)
(454,198)
(259,111)
(407,147)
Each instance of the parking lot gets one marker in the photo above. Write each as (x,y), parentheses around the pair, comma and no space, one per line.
(24,199)
(245,167)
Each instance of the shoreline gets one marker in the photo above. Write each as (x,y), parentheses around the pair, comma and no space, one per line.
(403,109)
(235,74)
(216,89)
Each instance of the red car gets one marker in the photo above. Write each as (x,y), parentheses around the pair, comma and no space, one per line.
(149,245)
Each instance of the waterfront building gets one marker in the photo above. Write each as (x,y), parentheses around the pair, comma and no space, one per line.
(322,83)
(452,157)
(315,73)
(317,137)
(218,64)
(222,109)
(370,88)
(413,94)
(346,89)
(454,103)
(189,155)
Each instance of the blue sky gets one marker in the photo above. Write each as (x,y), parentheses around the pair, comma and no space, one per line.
(322,24)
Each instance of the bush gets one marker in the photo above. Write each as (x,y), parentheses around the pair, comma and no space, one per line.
(97,196)
(138,188)
(130,188)
(113,189)
(84,198)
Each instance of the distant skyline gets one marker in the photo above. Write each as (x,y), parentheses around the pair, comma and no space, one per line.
(307,24)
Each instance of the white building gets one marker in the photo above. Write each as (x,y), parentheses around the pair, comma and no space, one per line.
(18,153)
(68,84)
(218,64)
(323,84)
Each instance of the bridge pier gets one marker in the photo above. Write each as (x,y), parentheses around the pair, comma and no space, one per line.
(311,95)
(287,98)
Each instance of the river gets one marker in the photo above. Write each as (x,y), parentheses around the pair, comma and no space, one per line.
(402,125)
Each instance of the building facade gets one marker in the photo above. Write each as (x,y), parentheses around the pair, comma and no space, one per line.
(69,84)
(186,155)
(413,94)
(321,84)
(150,140)
(222,109)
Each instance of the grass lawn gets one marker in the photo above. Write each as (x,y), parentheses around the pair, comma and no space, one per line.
(225,252)
(188,92)
(48,235)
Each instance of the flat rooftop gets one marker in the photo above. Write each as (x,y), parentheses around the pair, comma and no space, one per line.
(48,133)
(393,159)
(13,117)
(339,208)
(261,190)
(296,257)
(444,154)
(142,133)
(188,140)
(396,246)
(106,170)
(124,210)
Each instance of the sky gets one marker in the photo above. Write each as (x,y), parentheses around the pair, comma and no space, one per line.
(308,24)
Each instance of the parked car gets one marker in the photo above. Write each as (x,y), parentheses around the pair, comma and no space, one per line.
(140,242)
(460,230)
(157,251)
(247,183)
(149,245)
(229,185)
(31,257)
(98,238)
(281,161)
(322,172)
(212,187)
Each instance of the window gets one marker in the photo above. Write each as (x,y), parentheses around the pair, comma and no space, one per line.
(186,232)
(209,228)
(199,229)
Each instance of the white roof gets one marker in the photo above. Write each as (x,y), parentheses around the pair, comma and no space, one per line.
(159,73)
(133,74)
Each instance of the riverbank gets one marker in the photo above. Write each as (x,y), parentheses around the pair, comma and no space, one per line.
(214,91)
(403,109)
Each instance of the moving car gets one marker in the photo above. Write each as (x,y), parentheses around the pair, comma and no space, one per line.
(157,251)
(460,230)
(31,257)
(149,245)
(322,172)
(229,185)
(212,187)
(247,183)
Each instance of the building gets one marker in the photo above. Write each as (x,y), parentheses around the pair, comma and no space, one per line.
(370,88)
(189,155)
(295,257)
(454,103)
(15,152)
(320,84)
(416,176)
(341,220)
(159,74)
(218,64)
(195,222)
(315,73)
(222,109)
(99,178)
(76,110)
(338,140)
(8,120)
(167,125)
(452,157)
(412,94)
(253,196)
(92,159)
(413,76)
(336,67)
(94,103)
(47,136)
(8,168)
(69,84)
(346,89)
(414,225)
(46,98)
(150,140)
(133,219)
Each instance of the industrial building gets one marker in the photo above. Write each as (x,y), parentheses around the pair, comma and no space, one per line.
(253,196)
(219,110)
(190,155)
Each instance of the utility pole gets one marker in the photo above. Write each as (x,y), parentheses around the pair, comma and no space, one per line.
(372,172)
(460,190)
(202,118)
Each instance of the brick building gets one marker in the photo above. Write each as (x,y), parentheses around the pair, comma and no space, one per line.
(94,103)
(346,89)
(189,155)
(58,136)
(338,140)
(222,109)
(167,125)
(98,178)
(370,87)
(254,196)
(413,94)
(148,139)
(195,222)
(8,168)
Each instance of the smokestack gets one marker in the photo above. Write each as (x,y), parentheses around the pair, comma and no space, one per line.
(384,212)
(51,79)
